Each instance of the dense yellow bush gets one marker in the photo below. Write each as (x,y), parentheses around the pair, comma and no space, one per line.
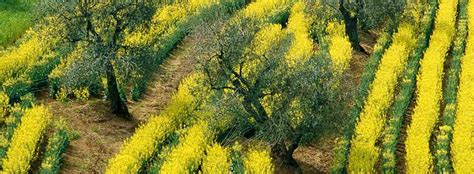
(25,139)
(340,48)
(217,160)
(364,153)
(429,90)
(261,9)
(258,162)
(186,156)
(21,58)
(299,26)
(164,21)
(81,94)
(462,147)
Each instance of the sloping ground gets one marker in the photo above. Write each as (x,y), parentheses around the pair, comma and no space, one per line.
(101,134)
(165,81)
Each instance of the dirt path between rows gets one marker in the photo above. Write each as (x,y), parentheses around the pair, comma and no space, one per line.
(165,81)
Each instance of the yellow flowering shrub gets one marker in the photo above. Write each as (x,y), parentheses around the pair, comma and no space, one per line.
(25,139)
(217,160)
(462,147)
(429,90)
(81,94)
(364,153)
(28,53)
(62,95)
(258,162)
(21,58)
(199,4)
(186,156)
(263,9)
(164,20)
(340,49)
(142,144)
(299,25)
(4,100)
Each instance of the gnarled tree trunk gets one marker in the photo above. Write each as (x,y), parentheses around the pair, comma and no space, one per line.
(117,105)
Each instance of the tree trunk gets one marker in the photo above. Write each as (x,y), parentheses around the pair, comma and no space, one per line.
(286,154)
(351,27)
(117,105)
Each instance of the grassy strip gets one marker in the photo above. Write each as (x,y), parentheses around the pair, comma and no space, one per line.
(16,18)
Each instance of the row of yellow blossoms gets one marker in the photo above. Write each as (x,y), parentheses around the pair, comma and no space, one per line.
(463,136)
(143,143)
(217,160)
(429,90)
(261,9)
(299,25)
(340,49)
(364,153)
(27,54)
(164,21)
(186,156)
(258,161)
(25,140)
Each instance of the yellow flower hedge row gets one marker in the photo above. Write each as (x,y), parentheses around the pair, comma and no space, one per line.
(163,21)
(20,58)
(262,9)
(299,26)
(340,49)
(28,53)
(363,153)
(258,162)
(429,91)
(406,88)
(25,139)
(217,160)
(462,146)
(342,146)
(142,144)
(186,156)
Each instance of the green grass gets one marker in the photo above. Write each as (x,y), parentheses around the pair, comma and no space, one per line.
(16,18)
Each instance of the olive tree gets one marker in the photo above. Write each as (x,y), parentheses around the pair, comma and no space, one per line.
(267,99)
(98,29)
